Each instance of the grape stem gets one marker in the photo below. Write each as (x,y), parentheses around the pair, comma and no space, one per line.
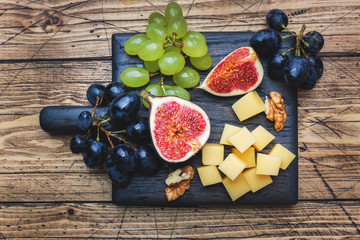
(98,102)
(172,41)
(286,29)
(154,74)
(290,35)
(298,47)
(315,39)
(112,134)
(284,53)
(161,81)
(98,134)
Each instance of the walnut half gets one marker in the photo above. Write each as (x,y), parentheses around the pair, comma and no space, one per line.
(275,110)
(178,182)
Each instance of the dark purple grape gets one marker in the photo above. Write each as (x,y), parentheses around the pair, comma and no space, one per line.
(139,131)
(310,79)
(84,121)
(148,160)
(318,64)
(295,70)
(275,18)
(289,41)
(95,154)
(117,176)
(276,66)
(125,157)
(94,92)
(123,109)
(266,42)
(114,90)
(314,46)
(78,144)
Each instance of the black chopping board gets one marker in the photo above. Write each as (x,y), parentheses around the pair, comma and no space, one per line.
(150,190)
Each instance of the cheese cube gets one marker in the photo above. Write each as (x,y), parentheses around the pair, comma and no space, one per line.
(232,166)
(212,154)
(262,136)
(248,106)
(255,181)
(228,131)
(209,175)
(286,156)
(236,188)
(242,140)
(248,156)
(267,165)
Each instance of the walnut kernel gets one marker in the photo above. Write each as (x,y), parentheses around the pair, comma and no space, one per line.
(275,110)
(178,182)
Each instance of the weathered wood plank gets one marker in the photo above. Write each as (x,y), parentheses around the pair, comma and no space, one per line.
(82,29)
(307,220)
(328,163)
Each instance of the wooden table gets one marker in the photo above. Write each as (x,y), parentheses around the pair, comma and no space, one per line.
(51,51)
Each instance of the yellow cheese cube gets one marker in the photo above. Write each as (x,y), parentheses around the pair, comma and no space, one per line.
(248,106)
(286,156)
(209,175)
(267,165)
(232,166)
(242,139)
(248,156)
(255,181)
(236,188)
(262,136)
(212,154)
(228,131)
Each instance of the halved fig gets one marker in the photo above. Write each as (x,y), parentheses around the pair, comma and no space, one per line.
(179,128)
(238,73)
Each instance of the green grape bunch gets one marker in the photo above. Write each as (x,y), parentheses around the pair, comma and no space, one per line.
(164,48)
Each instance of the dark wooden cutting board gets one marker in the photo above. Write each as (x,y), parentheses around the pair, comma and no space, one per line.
(150,190)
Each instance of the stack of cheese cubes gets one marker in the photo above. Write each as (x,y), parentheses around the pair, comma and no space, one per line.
(242,172)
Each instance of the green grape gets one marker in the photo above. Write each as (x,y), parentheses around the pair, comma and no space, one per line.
(172,10)
(171,63)
(176,91)
(152,66)
(169,90)
(182,93)
(135,77)
(156,31)
(195,35)
(177,25)
(154,89)
(157,17)
(202,63)
(151,50)
(187,78)
(194,47)
(132,44)
(173,49)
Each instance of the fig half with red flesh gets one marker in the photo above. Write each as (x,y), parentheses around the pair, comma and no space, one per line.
(179,128)
(238,73)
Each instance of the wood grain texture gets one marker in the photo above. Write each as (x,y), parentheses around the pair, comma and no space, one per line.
(82,29)
(48,193)
(328,163)
(321,220)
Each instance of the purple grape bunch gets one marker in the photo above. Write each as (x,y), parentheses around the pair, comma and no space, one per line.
(300,66)
(119,139)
